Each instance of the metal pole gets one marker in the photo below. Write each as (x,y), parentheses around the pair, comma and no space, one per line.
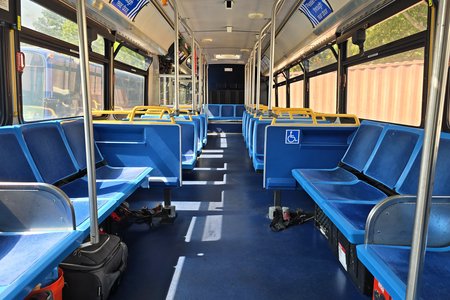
(194,74)
(254,77)
(245,85)
(176,105)
(88,131)
(272,51)
(207,84)
(200,79)
(433,122)
(258,68)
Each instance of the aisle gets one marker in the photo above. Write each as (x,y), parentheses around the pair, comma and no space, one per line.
(221,246)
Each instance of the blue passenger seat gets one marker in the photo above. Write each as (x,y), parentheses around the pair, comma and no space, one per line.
(356,157)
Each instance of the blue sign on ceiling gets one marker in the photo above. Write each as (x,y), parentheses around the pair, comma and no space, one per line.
(316,10)
(129,8)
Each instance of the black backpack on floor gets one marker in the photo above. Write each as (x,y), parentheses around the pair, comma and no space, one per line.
(94,271)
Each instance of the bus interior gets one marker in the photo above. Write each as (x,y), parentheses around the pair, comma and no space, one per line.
(234,149)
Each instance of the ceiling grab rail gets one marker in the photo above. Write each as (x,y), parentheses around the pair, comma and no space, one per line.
(88,130)
(275,8)
(433,122)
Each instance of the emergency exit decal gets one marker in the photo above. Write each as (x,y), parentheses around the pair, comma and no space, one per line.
(316,10)
(129,8)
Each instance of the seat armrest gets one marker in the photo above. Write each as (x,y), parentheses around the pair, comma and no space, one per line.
(391,222)
(34,207)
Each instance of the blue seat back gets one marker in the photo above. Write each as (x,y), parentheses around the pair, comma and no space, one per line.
(188,138)
(409,183)
(213,111)
(239,111)
(74,133)
(363,144)
(259,133)
(227,111)
(49,151)
(15,162)
(392,154)
(146,145)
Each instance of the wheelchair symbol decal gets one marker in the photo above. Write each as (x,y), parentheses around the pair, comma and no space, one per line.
(292,137)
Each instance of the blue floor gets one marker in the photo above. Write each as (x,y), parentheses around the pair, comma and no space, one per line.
(221,246)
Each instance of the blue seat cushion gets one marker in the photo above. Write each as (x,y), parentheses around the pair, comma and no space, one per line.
(349,218)
(81,208)
(18,253)
(161,181)
(359,191)
(389,264)
(120,173)
(335,175)
(258,162)
(188,161)
(281,183)
(111,189)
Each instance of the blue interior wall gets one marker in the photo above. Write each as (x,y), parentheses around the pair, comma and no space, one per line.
(226,87)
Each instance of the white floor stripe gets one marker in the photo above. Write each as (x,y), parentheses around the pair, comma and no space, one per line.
(188,236)
(175,279)
(213,229)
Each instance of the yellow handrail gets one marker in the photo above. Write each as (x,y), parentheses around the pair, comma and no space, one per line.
(324,116)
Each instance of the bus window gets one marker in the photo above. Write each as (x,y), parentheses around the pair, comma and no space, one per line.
(406,23)
(281,91)
(40,19)
(296,89)
(132,58)
(324,58)
(128,90)
(388,89)
(98,46)
(51,85)
(322,92)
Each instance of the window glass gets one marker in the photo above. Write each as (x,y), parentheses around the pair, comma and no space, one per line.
(388,89)
(51,85)
(295,71)
(322,92)
(324,58)
(167,90)
(406,23)
(128,90)
(132,58)
(98,46)
(46,21)
(296,89)
(281,96)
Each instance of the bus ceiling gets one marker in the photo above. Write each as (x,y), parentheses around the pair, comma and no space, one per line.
(224,33)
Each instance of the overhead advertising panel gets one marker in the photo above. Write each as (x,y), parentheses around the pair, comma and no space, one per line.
(316,10)
(129,8)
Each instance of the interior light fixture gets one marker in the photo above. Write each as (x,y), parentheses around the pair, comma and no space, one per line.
(229,29)
(245,50)
(229,4)
(255,15)
(228,56)
(207,40)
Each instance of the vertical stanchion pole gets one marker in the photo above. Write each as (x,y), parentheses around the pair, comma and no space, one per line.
(245,86)
(432,129)
(194,74)
(253,78)
(272,52)
(207,84)
(88,131)
(176,105)
(200,80)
